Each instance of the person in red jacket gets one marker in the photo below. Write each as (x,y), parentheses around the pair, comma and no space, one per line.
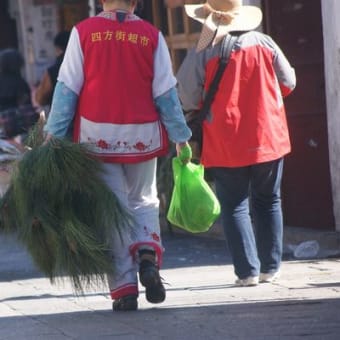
(245,134)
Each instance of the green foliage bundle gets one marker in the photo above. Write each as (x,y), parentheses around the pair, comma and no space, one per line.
(63,212)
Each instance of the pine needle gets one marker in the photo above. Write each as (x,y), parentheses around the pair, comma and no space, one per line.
(63,212)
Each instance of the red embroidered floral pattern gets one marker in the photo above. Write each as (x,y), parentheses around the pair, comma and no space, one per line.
(141,146)
(120,146)
(155,237)
(102,144)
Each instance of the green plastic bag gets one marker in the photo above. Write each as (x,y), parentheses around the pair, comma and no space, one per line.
(193,206)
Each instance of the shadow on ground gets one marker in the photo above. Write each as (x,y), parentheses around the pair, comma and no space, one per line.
(292,319)
(181,250)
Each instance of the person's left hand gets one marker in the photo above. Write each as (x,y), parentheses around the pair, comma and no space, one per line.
(184,152)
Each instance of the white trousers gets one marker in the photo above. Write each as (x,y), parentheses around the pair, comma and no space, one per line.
(135,187)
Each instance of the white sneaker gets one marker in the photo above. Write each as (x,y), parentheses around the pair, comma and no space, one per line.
(269,277)
(248,281)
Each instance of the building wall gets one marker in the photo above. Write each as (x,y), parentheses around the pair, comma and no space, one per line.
(37,24)
(38,21)
(331,32)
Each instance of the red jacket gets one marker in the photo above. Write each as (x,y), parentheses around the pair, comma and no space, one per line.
(247,121)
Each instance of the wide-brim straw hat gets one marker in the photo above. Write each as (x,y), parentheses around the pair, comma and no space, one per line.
(219,17)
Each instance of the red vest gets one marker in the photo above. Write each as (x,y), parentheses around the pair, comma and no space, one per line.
(116,114)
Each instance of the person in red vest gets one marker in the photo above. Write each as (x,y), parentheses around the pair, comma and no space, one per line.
(117,88)
(245,134)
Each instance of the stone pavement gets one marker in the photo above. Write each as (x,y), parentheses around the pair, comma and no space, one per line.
(202,301)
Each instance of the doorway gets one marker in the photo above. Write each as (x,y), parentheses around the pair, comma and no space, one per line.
(296,25)
(8,28)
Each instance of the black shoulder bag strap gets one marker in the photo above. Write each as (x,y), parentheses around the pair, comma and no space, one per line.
(226,48)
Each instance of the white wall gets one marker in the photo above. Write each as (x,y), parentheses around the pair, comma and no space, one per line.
(37,27)
(92,7)
(331,32)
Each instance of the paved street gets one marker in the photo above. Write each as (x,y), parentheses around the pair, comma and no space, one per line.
(202,301)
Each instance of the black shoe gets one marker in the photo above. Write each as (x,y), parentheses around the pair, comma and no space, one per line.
(150,279)
(125,303)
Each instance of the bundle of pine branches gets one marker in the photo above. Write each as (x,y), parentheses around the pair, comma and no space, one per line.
(63,212)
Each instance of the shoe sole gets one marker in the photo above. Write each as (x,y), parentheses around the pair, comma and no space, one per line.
(270,279)
(149,278)
(247,282)
(154,290)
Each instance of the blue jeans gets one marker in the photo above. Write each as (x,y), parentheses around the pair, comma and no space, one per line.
(252,215)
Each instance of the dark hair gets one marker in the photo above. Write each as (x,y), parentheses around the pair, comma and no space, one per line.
(61,39)
(11,61)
